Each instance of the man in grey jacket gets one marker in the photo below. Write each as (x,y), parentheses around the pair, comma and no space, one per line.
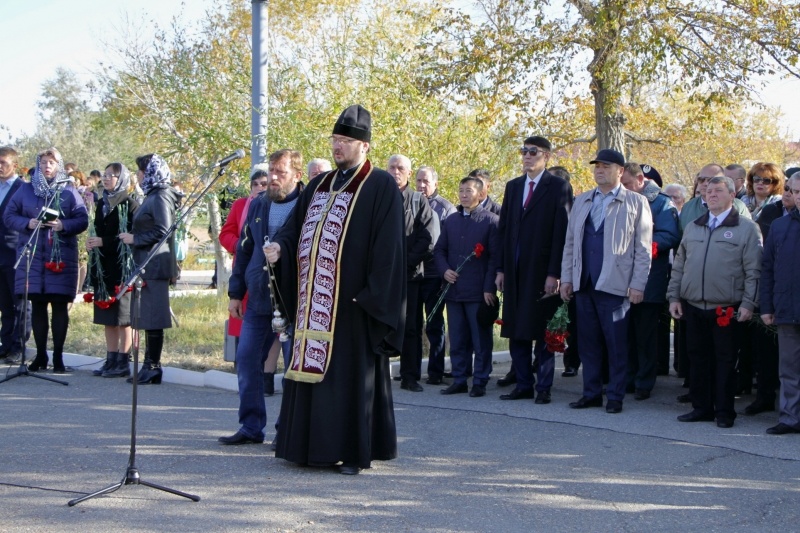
(606,262)
(714,286)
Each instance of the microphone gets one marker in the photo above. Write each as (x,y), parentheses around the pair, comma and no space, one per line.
(238,154)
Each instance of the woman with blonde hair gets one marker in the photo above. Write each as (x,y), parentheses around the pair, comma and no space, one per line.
(764,184)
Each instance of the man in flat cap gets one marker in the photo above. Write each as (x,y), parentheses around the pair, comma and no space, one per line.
(606,263)
(345,239)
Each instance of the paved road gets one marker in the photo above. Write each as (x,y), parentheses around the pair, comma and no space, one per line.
(466,464)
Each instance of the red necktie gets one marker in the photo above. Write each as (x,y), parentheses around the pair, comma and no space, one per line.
(528,198)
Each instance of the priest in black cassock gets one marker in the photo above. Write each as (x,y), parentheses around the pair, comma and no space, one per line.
(345,238)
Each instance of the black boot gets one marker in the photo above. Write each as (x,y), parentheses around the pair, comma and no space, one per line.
(58,365)
(269,383)
(39,363)
(120,368)
(106,366)
(149,373)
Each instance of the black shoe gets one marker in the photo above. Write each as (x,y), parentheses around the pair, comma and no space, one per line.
(542,397)
(782,429)
(724,423)
(759,406)
(434,380)
(613,406)
(148,374)
(269,383)
(348,469)
(107,364)
(518,394)
(695,416)
(238,438)
(455,388)
(477,391)
(569,372)
(411,385)
(585,402)
(684,398)
(63,370)
(641,394)
(508,379)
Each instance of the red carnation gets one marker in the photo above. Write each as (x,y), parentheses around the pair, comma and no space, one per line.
(478,250)
(655,250)
(499,322)
(105,304)
(88,297)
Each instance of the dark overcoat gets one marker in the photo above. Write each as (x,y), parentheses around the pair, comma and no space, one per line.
(533,242)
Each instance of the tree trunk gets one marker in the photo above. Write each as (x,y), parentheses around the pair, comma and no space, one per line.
(222,257)
(609,122)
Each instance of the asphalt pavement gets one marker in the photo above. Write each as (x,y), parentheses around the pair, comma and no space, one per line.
(465,464)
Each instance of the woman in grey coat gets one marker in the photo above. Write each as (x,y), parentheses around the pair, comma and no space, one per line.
(150,223)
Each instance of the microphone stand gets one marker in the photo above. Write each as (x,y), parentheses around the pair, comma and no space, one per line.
(132,476)
(28,252)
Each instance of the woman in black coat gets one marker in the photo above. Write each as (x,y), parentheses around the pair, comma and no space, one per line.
(53,275)
(110,265)
(150,223)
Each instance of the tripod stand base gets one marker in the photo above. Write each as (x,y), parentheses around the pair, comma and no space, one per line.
(132,478)
(23,371)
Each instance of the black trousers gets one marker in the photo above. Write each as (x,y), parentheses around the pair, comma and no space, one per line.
(411,356)
(712,352)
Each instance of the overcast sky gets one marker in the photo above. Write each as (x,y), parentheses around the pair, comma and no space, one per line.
(48,34)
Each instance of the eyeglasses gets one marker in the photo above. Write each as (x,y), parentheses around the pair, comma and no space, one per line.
(533,151)
(259,184)
(110,176)
(766,181)
(703,179)
(342,140)
(786,188)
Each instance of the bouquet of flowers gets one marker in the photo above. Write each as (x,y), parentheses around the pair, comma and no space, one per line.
(555,335)
(477,251)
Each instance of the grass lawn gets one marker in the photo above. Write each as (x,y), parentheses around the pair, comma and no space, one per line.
(195,345)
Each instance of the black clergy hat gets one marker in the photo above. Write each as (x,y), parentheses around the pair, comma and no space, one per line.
(609,156)
(354,122)
(652,174)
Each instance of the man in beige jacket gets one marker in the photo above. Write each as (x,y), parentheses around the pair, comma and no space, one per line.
(606,262)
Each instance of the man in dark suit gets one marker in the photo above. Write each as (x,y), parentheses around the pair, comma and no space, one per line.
(533,226)
(11,309)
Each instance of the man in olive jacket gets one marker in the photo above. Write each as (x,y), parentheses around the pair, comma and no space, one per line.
(714,286)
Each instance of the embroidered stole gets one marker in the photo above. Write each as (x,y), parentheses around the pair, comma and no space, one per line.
(319,250)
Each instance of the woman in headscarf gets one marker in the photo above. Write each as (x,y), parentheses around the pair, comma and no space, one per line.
(53,265)
(110,265)
(150,223)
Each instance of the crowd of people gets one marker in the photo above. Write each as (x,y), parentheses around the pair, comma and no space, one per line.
(343,272)
(127,217)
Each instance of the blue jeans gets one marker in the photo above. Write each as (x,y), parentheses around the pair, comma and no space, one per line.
(254,342)
(466,335)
